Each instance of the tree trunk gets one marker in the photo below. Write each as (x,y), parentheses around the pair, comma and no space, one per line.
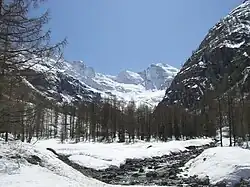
(220,118)
(230,121)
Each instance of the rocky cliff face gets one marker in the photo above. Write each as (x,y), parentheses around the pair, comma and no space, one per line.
(49,80)
(220,63)
(158,76)
(74,81)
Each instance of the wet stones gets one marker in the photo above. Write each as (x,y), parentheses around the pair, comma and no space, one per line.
(53,151)
(141,170)
(149,146)
(161,171)
(16,157)
(135,175)
(243,183)
(33,159)
(152,174)
(191,147)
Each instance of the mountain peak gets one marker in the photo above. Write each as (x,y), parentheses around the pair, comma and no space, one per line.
(129,77)
(160,64)
(74,80)
(221,56)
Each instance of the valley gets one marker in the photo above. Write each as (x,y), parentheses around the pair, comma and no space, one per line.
(64,124)
(74,81)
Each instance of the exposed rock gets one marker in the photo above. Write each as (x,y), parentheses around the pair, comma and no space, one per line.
(16,157)
(150,171)
(191,147)
(52,150)
(69,82)
(149,146)
(33,159)
(221,184)
(135,175)
(152,174)
(223,56)
(141,170)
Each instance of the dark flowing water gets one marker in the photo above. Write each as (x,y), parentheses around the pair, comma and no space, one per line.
(162,171)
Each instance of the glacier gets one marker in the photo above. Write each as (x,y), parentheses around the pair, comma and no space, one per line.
(76,79)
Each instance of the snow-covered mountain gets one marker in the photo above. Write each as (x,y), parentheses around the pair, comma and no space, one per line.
(219,65)
(69,81)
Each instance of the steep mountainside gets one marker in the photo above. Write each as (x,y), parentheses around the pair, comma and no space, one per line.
(220,63)
(69,81)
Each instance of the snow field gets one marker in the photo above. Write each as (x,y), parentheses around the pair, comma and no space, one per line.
(227,164)
(18,172)
(101,156)
(15,171)
(221,164)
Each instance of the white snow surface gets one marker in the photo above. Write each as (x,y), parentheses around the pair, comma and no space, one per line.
(53,172)
(129,85)
(238,45)
(18,173)
(227,164)
(146,87)
(221,164)
(222,35)
(129,77)
(101,155)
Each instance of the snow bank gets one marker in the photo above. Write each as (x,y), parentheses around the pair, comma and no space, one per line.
(129,77)
(18,172)
(35,176)
(15,171)
(237,45)
(221,164)
(102,156)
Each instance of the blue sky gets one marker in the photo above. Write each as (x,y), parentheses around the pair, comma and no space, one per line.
(114,35)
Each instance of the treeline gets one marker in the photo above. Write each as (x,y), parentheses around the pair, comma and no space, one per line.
(24,42)
(112,120)
(26,114)
(234,114)
(109,121)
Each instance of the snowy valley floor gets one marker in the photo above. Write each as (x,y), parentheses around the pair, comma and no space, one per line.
(17,168)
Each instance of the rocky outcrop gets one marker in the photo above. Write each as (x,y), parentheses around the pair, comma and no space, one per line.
(219,64)
(160,171)
(158,76)
(65,81)
(59,87)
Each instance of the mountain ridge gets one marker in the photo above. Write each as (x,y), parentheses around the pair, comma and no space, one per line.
(70,81)
(217,65)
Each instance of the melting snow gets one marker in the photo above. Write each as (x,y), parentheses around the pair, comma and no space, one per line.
(228,164)
(195,86)
(52,172)
(18,172)
(245,54)
(201,63)
(97,155)
(234,45)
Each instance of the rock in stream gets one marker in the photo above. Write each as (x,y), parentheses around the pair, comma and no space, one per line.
(161,171)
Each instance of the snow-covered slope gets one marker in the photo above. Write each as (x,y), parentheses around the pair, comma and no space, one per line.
(16,171)
(97,155)
(143,87)
(74,80)
(27,165)
(223,56)
(221,164)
